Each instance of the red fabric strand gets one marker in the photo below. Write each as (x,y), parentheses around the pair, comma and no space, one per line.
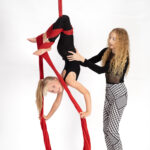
(39,40)
(87,144)
(60,7)
(54,33)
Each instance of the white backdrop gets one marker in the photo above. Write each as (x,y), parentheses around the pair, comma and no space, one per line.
(92,21)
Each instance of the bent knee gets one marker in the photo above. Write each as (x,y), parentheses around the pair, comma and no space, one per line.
(65,18)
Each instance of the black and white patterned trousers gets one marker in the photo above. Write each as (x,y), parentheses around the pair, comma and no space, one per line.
(115,102)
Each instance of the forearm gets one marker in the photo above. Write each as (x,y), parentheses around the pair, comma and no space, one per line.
(95,58)
(55,105)
(87,98)
(82,62)
(96,68)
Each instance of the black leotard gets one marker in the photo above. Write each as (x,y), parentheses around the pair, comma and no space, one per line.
(65,44)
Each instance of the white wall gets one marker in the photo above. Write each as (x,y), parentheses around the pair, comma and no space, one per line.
(19,74)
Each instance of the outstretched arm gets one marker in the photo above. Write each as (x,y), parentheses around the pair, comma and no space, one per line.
(96,68)
(71,81)
(90,63)
(55,105)
(78,57)
(97,57)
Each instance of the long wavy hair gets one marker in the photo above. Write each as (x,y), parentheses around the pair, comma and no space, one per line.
(118,62)
(41,91)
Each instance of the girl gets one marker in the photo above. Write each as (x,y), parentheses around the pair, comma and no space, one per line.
(115,61)
(71,70)
(49,84)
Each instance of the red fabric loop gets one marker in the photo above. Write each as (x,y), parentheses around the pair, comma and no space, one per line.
(68,32)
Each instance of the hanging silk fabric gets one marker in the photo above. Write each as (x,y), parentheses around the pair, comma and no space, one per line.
(51,33)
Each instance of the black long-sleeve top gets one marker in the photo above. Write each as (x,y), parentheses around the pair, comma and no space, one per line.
(110,77)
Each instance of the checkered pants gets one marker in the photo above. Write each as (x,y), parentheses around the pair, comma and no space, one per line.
(115,102)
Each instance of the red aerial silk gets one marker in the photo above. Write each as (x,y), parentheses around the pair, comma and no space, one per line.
(52,33)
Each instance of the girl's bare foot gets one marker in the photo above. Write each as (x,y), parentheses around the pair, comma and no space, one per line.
(41,51)
(33,40)
(45,39)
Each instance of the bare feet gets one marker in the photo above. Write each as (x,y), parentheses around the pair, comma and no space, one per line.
(33,40)
(84,114)
(41,51)
(45,39)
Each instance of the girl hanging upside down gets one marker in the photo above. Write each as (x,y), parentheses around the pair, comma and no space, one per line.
(71,70)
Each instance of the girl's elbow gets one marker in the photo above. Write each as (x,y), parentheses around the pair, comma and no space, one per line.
(101,71)
(87,92)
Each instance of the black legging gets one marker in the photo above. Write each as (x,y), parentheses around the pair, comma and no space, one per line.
(65,44)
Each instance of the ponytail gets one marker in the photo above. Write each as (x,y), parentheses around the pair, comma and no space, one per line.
(39,95)
(41,91)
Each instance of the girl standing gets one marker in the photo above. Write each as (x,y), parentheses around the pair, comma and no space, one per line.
(115,64)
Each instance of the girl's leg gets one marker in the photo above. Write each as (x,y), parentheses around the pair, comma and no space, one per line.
(63,73)
(33,40)
(112,118)
(71,81)
(106,114)
(61,24)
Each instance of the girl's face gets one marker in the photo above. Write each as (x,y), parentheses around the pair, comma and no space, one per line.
(112,41)
(54,86)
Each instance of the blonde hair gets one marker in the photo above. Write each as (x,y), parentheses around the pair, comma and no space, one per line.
(118,62)
(41,91)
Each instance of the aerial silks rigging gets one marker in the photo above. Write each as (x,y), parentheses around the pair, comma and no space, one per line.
(52,33)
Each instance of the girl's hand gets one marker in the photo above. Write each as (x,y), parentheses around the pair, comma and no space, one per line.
(46,117)
(75,56)
(84,114)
